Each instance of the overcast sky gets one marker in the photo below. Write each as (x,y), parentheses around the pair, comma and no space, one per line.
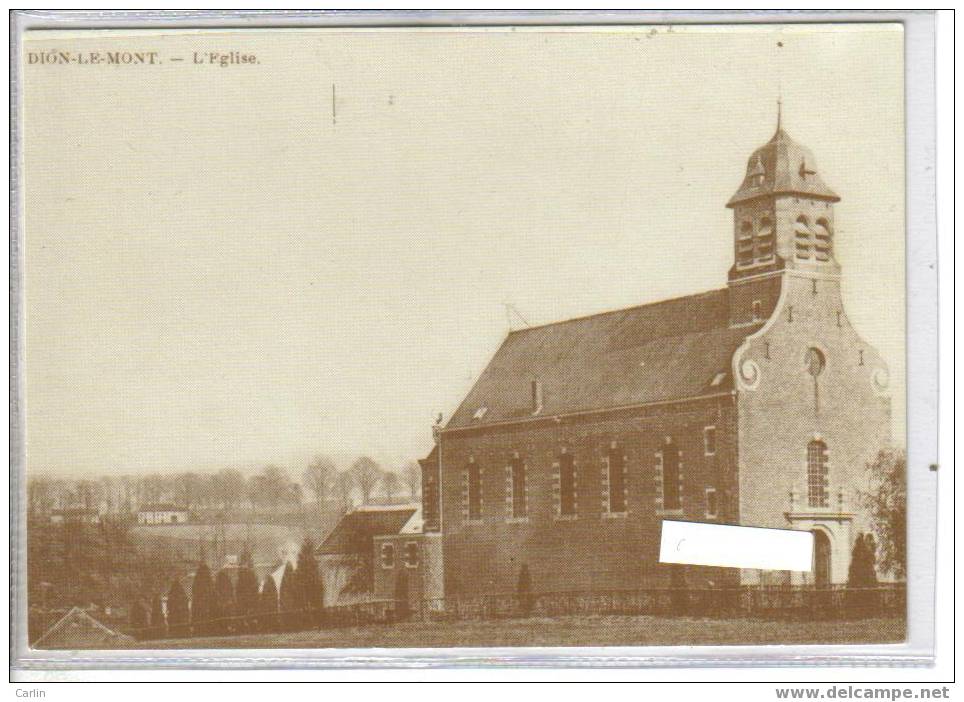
(218,273)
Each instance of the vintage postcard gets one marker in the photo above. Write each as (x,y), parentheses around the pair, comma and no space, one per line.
(430,338)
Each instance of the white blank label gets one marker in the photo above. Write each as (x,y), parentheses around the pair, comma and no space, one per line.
(735,546)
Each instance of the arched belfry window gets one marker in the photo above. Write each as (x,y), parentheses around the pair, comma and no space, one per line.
(803,238)
(764,241)
(744,244)
(823,240)
(818,474)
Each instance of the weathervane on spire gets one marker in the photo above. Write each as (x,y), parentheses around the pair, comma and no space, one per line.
(779,88)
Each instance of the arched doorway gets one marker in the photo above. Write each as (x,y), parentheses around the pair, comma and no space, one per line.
(821,558)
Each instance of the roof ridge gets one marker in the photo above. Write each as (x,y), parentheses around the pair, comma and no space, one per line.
(386,508)
(87,617)
(617,311)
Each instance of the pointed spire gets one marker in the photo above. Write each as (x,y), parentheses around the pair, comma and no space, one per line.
(779,114)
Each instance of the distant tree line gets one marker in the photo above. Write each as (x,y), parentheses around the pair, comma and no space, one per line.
(271,489)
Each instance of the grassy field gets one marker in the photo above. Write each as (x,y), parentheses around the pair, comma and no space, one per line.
(565,631)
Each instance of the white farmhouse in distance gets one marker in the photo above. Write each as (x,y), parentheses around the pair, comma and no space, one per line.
(162,514)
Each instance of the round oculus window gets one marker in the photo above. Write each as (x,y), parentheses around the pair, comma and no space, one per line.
(750,374)
(881,378)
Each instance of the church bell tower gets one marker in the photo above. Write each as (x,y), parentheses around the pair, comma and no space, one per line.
(782,220)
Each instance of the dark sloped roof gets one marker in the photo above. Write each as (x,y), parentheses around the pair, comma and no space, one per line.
(431,459)
(79,630)
(667,350)
(355,532)
(785,167)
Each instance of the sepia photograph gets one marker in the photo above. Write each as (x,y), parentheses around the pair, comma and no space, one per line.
(535,336)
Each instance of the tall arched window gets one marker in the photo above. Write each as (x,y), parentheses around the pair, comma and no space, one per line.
(517,487)
(818,474)
(567,485)
(670,459)
(617,480)
(474,489)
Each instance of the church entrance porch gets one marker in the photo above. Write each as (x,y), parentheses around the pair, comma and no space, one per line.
(821,558)
(832,545)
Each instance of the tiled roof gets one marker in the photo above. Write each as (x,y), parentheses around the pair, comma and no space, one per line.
(354,533)
(77,629)
(668,350)
(786,167)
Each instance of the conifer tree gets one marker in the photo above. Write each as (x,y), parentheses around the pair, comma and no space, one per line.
(289,598)
(862,572)
(862,577)
(158,625)
(268,606)
(870,545)
(178,614)
(202,600)
(224,601)
(312,592)
(246,594)
(138,618)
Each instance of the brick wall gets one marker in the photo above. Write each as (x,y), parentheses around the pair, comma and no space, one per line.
(595,549)
(386,578)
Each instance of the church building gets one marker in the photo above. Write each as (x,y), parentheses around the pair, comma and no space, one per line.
(756,404)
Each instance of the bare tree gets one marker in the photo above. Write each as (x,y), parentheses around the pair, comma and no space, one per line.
(153,488)
(40,496)
(366,473)
(319,478)
(271,488)
(63,494)
(227,486)
(88,493)
(188,489)
(294,494)
(129,492)
(109,488)
(413,480)
(391,485)
(344,487)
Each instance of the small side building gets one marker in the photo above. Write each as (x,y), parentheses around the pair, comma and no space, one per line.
(75,515)
(408,565)
(370,549)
